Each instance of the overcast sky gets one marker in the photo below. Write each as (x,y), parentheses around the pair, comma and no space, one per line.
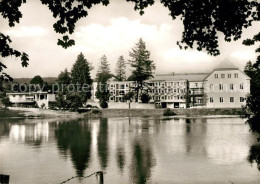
(113,31)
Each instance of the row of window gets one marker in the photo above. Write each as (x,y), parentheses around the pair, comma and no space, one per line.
(231,86)
(221,99)
(224,75)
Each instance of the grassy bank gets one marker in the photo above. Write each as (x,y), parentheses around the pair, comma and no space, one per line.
(42,113)
(178,112)
(6,113)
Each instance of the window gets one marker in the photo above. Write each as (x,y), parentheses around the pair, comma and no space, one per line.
(211,100)
(231,99)
(216,76)
(222,76)
(229,75)
(221,100)
(220,86)
(241,86)
(196,84)
(236,75)
(211,86)
(242,99)
(231,86)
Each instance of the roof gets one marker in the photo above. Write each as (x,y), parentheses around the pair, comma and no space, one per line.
(226,65)
(181,76)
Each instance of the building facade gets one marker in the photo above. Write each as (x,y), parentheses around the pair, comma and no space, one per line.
(39,98)
(225,87)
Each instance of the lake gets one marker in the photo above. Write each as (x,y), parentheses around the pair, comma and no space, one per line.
(129,150)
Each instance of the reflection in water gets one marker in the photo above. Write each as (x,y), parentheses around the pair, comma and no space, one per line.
(31,134)
(142,159)
(141,163)
(137,150)
(75,136)
(254,155)
(102,143)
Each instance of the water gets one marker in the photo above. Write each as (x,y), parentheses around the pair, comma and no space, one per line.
(136,150)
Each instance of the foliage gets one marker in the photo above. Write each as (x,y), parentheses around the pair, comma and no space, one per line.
(121,69)
(252,108)
(60,101)
(74,101)
(142,65)
(103,104)
(168,112)
(64,78)
(96,111)
(80,74)
(145,98)
(104,68)
(128,96)
(6,101)
(37,80)
(202,21)
(103,75)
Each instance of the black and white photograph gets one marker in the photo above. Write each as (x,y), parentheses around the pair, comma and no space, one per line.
(129,91)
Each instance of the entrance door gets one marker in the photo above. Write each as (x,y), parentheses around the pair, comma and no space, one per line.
(163,104)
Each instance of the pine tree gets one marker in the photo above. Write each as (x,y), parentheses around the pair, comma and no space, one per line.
(121,69)
(64,78)
(104,67)
(142,65)
(103,74)
(80,76)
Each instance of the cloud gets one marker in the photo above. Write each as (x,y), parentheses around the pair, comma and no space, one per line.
(120,34)
(243,54)
(27,31)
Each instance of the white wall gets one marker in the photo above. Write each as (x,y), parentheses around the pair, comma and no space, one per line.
(212,89)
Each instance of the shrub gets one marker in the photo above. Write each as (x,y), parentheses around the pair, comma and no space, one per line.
(168,112)
(96,111)
(103,104)
(145,98)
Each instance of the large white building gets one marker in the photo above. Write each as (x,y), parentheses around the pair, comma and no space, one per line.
(225,87)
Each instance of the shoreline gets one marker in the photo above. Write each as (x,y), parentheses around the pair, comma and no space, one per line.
(33,113)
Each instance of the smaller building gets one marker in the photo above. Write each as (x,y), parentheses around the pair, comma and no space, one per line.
(29,99)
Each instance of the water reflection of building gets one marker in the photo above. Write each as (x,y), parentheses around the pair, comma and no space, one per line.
(29,133)
(223,145)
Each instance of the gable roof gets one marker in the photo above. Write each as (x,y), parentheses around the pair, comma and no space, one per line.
(226,65)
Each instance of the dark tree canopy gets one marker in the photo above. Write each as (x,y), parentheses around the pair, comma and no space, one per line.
(37,80)
(202,20)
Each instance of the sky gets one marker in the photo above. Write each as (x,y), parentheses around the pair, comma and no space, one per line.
(113,31)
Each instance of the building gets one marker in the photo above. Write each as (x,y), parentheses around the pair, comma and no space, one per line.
(30,99)
(224,87)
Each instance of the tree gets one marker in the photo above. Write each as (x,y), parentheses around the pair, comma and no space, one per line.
(80,76)
(142,65)
(128,96)
(121,69)
(252,108)
(202,21)
(38,83)
(64,78)
(37,80)
(104,67)
(6,101)
(102,76)
(145,98)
